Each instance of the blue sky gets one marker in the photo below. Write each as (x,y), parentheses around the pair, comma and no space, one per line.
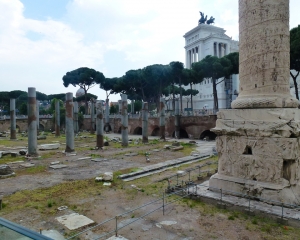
(43,9)
(41,40)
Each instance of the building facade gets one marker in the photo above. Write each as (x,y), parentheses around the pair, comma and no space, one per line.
(206,40)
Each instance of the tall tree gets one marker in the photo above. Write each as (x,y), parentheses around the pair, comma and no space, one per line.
(176,73)
(108,85)
(85,78)
(295,56)
(191,77)
(213,68)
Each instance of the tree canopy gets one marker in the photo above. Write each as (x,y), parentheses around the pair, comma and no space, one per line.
(85,78)
(295,56)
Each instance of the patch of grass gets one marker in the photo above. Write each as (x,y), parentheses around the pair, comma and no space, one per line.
(48,155)
(231,218)
(50,203)
(35,169)
(134,170)
(95,155)
(254,221)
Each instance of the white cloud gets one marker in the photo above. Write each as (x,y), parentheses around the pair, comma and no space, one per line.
(110,36)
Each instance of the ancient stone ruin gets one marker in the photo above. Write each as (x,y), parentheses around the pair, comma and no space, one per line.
(258,140)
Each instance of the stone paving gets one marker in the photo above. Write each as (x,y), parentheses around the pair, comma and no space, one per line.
(202,190)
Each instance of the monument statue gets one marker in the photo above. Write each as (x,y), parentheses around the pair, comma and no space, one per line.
(258,140)
(204,20)
(211,20)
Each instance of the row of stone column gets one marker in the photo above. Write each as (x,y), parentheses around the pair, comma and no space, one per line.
(220,49)
(193,55)
(72,121)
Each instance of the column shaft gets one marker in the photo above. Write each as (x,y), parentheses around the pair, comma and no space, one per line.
(57,118)
(99,124)
(32,127)
(124,130)
(13,132)
(162,120)
(69,123)
(145,122)
(264,55)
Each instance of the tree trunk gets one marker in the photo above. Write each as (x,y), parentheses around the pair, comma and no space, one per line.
(216,104)
(173,100)
(192,106)
(180,94)
(295,83)
(85,100)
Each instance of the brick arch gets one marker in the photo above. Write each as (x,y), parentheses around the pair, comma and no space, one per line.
(155,131)
(183,133)
(138,131)
(41,127)
(208,134)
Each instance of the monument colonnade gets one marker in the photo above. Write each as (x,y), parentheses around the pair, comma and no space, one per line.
(196,53)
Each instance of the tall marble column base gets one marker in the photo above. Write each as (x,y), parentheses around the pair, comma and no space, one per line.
(259,153)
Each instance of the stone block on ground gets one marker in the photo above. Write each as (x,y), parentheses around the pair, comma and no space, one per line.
(42,137)
(23,152)
(13,154)
(58,166)
(74,221)
(49,146)
(177,148)
(98,179)
(99,159)
(83,158)
(54,163)
(131,154)
(108,176)
(5,170)
(27,165)
(176,144)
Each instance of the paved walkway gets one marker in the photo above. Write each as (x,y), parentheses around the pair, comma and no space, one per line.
(269,209)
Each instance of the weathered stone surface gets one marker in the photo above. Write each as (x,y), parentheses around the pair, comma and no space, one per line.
(50,146)
(58,166)
(176,144)
(5,170)
(23,152)
(264,55)
(131,154)
(259,122)
(27,165)
(42,137)
(108,176)
(259,148)
(74,221)
(99,159)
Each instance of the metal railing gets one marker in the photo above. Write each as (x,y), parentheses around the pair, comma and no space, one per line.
(188,187)
(10,230)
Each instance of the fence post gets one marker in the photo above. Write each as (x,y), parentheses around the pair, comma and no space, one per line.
(116,226)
